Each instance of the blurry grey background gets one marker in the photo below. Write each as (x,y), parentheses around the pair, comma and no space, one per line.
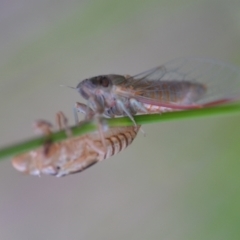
(181,181)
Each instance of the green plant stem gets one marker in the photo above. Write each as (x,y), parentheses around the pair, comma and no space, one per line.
(119,122)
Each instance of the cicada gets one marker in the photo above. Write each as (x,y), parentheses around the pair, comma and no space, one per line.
(185,83)
(74,154)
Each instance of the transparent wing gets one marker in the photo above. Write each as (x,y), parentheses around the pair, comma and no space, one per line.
(220,80)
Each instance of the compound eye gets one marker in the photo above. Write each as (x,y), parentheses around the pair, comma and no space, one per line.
(94,81)
(104,82)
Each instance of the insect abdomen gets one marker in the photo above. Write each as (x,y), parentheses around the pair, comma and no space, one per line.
(119,141)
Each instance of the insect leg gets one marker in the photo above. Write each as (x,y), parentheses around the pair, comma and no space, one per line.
(83,108)
(44,128)
(89,115)
(98,106)
(137,106)
(62,123)
(121,105)
(75,111)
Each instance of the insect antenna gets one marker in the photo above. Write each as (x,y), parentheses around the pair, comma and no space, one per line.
(67,86)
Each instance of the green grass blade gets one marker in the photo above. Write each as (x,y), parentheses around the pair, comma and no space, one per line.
(116,122)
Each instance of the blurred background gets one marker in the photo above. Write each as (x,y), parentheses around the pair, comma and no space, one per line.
(181,181)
